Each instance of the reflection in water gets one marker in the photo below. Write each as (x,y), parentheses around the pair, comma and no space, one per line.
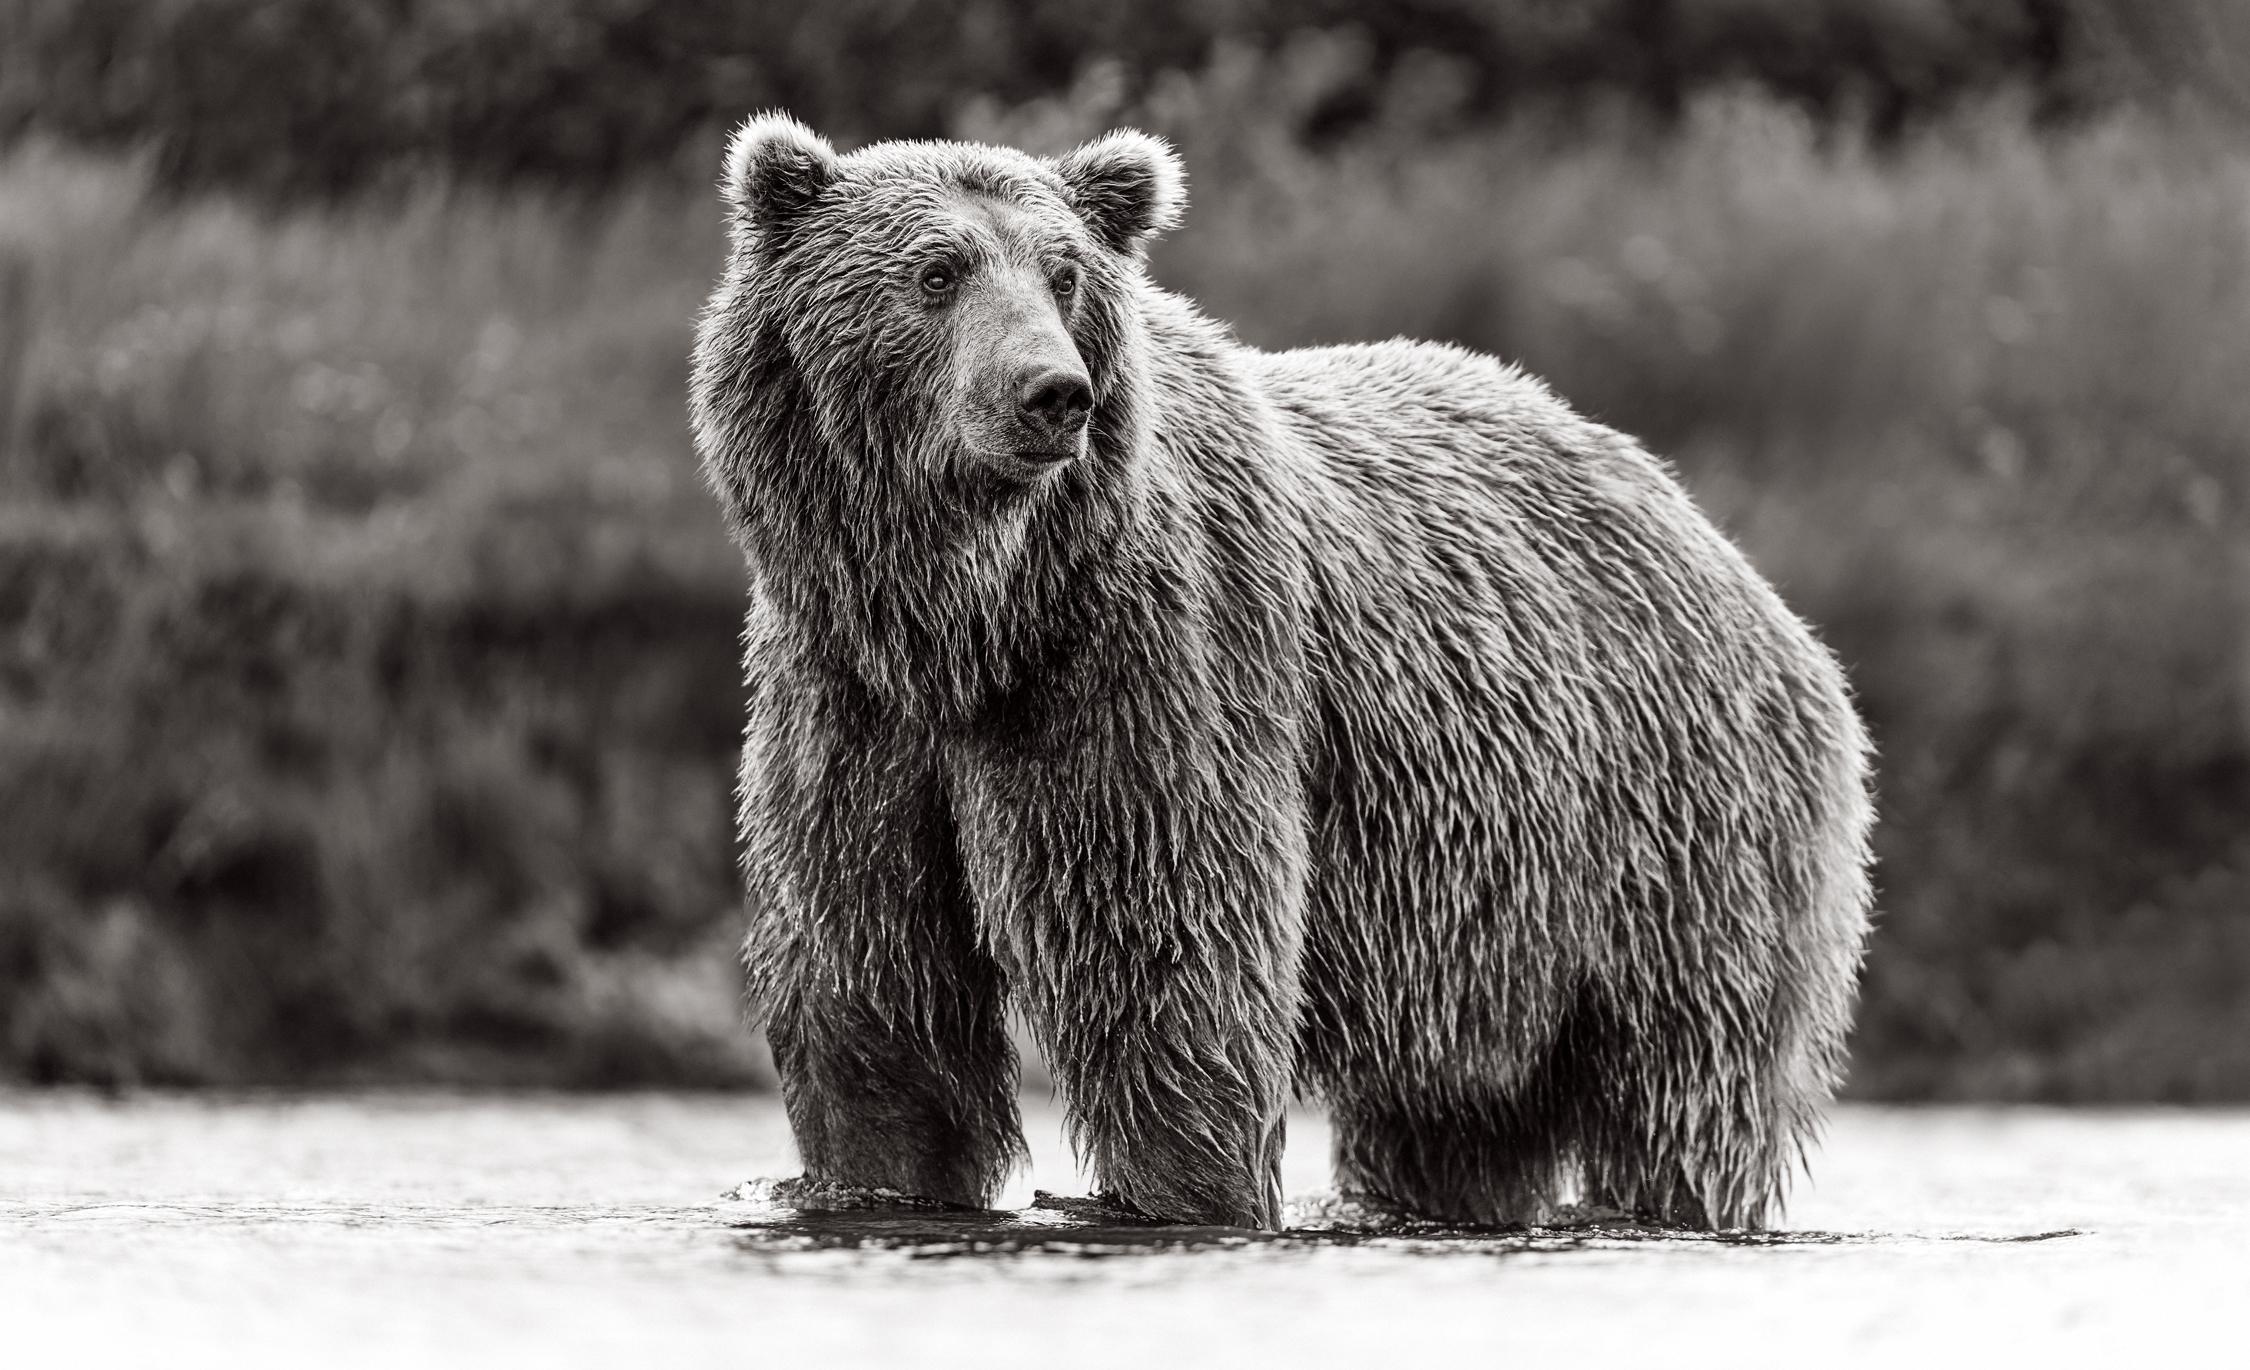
(790,1216)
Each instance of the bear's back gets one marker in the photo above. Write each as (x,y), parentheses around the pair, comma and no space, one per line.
(1532,654)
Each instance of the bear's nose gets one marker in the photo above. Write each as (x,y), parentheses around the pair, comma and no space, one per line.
(1056,399)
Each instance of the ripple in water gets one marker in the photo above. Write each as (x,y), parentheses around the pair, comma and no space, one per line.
(780,1217)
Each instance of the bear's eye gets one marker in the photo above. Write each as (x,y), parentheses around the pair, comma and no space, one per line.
(938,280)
(1066,282)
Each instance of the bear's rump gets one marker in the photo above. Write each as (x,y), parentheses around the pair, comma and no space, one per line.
(1568,745)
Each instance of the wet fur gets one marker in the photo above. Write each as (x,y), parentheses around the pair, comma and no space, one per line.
(1353,722)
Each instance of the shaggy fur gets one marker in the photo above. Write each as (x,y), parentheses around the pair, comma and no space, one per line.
(1358,722)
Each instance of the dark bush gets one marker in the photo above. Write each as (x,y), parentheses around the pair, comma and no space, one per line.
(321,96)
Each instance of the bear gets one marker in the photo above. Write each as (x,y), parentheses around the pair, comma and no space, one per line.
(1355,724)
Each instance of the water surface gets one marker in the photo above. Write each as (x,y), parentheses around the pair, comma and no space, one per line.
(451,1230)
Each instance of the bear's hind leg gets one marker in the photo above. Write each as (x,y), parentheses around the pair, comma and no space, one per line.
(1644,1184)
(1686,1141)
(1491,1162)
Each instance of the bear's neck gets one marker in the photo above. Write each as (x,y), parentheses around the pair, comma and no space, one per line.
(944,599)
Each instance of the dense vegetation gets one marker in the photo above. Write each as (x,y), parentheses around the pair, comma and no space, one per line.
(366,694)
(328,95)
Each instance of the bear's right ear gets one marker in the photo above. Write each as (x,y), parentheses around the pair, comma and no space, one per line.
(775,168)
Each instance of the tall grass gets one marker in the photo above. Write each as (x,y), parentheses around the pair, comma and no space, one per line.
(366,693)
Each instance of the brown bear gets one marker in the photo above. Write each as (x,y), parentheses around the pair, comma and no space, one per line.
(1354,722)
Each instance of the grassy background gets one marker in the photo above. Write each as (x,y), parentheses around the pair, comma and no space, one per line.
(367,701)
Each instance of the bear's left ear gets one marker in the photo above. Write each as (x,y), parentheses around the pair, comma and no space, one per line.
(1126,185)
(776,167)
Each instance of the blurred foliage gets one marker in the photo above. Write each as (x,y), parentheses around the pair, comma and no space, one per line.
(328,95)
(366,646)
(367,702)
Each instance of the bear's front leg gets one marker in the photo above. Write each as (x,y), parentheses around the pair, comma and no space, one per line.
(884,1012)
(1143,871)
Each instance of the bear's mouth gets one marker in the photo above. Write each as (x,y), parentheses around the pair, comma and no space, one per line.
(1030,462)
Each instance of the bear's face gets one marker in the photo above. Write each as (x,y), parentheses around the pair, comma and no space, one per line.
(942,307)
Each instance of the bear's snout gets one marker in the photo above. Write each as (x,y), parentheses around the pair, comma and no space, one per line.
(1054,401)
(1027,394)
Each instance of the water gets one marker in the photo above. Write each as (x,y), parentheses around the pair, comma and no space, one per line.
(446,1230)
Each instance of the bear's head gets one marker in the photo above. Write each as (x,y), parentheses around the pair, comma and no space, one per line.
(959,316)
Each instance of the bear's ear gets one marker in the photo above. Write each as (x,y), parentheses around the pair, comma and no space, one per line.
(1126,185)
(775,168)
